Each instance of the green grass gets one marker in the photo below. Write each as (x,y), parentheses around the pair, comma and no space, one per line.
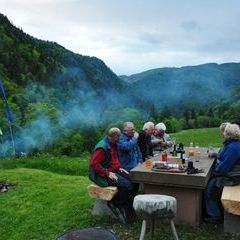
(50,198)
(62,165)
(204,137)
(45,205)
(42,204)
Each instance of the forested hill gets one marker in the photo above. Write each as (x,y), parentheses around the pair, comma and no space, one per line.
(25,58)
(188,86)
(43,75)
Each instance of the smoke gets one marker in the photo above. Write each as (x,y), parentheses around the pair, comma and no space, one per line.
(70,102)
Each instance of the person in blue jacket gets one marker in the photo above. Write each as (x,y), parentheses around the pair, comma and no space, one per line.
(226,172)
(130,156)
(129,151)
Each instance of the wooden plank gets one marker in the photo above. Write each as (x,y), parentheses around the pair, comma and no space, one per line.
(104,193)
(231,199)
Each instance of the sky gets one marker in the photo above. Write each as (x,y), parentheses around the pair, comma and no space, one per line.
(132,36)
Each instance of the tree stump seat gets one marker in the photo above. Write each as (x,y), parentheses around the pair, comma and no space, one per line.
(231,203)
(104,193)
(151,207)
(101,195)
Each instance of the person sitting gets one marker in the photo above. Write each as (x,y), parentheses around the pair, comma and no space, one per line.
(160,139)
(105,170)
(144,140)
(211,152)
(129,151)
(130,155)
(226,173)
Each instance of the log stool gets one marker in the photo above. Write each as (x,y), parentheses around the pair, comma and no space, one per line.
(101,195)
(152,207)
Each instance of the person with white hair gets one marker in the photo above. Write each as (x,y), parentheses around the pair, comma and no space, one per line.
(144,140)
(226,172)
(160,139)
(211,152)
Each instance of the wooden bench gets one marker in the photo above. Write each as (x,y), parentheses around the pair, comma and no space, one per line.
(231,203)
(101,195)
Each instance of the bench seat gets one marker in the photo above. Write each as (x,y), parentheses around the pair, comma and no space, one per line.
(231,203)
(104,193)
(101,195)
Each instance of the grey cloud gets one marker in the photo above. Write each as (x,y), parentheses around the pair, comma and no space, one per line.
(151,38)
(190,26)
(177,32)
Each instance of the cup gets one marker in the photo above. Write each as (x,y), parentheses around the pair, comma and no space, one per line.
(164,156)
(190,152)
(148,164)
(210,151)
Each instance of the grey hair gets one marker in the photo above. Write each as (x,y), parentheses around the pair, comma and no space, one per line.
(148,125)
(232,131)
(223,126)
(127,124)
(114,131)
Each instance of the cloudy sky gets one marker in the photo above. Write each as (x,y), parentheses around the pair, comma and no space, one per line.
(132,36)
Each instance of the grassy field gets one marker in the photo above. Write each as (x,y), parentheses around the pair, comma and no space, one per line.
(204,137)
(50,198)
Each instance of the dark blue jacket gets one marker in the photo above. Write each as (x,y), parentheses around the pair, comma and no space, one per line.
(129,152)
(228,158)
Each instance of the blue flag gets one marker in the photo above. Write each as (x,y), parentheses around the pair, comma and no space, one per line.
(2,91)
(9,113)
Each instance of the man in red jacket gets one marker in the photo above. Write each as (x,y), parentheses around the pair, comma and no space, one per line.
(106,171)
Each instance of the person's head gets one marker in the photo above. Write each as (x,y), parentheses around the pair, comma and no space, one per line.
(232,131)
(148,127)
(160,128)
(128,128)
(114,134)
(223,126)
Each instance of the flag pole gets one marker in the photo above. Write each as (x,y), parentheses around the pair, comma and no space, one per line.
(10,120)
(9,115)
(11,132)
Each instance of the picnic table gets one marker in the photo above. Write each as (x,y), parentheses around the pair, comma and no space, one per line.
(186,188)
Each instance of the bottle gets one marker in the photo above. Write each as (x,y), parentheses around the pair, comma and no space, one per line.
(191,150)
(174,152)
(183,157)
(181,152)
(178,151)
(181,147)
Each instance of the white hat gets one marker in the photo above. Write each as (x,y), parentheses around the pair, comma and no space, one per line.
(161,126)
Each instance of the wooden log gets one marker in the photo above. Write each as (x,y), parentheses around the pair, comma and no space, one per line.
(231,199)
(155,206)
(104,193)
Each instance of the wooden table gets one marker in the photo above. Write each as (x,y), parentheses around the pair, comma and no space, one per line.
(187,189)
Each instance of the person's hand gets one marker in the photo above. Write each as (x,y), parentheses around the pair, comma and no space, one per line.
(161,141)
(113,176)
(212,154)
(123,170)
(136,134)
